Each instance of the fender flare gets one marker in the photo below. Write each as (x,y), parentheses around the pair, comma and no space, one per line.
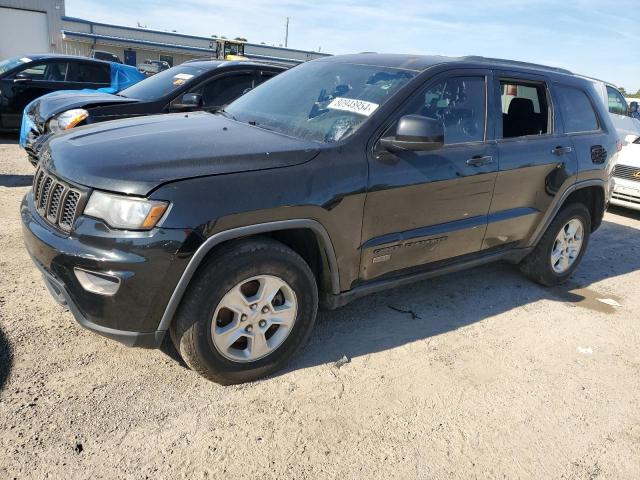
(240,232)
(542,227)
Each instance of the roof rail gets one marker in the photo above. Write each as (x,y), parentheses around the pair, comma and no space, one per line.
(519,64)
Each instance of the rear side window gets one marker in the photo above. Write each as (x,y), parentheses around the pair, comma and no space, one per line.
(524,109)
(617,103)
(577,111)
(90,73)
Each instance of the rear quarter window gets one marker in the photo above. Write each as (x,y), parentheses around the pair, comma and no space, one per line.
(577,110)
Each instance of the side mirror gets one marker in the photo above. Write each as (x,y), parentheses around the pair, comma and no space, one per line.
(415,133)
(189,101)
(22,77)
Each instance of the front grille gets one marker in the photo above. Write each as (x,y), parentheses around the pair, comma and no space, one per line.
(627,172)
(56,201)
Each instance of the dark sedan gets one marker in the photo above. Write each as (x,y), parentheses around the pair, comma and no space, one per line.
(23,79)
(202,85)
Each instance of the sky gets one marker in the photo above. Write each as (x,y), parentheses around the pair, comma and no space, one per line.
(590,37)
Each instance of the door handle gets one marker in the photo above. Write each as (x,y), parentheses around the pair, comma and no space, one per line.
(479,160)
(562,150)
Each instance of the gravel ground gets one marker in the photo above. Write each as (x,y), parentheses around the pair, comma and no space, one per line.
(491,377)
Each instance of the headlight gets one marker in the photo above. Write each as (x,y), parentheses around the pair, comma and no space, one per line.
(119,211)
(67,120)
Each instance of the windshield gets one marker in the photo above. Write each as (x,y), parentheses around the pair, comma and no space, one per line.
(321,101)
(10,63)
(163,83)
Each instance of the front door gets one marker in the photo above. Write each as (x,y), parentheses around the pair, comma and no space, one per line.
(34,80)
(423,207)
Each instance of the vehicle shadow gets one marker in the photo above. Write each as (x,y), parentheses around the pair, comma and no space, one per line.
(625,212)
(15,180)
(6,360)
(397,317)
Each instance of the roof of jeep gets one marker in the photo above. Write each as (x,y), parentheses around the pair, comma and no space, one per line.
(422,62)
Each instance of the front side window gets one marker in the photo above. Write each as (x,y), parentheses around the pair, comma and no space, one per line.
(49,72)
(524,109)
(322,101)
(163,83)
(577,111)
(617,103)
(225,90)
(459,103)
(34,72)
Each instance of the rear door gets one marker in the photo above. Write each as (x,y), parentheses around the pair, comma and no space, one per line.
(424,207)
(536,158)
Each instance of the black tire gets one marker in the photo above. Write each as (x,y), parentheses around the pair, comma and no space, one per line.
(224,269)
(537,265)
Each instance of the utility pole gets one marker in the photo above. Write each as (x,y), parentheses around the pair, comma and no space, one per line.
(286,33)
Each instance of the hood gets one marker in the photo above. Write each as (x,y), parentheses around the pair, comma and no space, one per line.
(53,103)
(136,155)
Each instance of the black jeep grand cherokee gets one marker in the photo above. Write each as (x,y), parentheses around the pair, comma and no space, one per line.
(338,178)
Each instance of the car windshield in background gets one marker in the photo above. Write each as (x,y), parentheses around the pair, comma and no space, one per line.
(321,101)
(162,83)
(10,63)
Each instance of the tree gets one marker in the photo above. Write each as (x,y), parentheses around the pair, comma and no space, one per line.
(241,39)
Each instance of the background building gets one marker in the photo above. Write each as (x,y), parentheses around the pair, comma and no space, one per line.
(36,26)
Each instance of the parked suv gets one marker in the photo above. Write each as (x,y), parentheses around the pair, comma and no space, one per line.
(338,178)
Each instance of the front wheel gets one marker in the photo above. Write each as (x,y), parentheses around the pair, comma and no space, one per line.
(561,248)
(251,306)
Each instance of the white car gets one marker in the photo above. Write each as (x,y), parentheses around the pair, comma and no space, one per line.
(626,173)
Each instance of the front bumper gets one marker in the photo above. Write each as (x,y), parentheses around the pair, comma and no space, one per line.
(626,193)
(149,265)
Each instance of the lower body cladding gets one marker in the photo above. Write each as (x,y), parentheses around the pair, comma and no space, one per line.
(117,285)
(626,193)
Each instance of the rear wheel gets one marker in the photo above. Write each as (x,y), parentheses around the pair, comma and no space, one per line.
(250,308)
(561,248)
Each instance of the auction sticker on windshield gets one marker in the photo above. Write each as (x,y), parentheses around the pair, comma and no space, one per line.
(180,78)
(360,107)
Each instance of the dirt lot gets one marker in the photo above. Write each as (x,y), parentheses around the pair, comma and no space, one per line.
(495,377)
